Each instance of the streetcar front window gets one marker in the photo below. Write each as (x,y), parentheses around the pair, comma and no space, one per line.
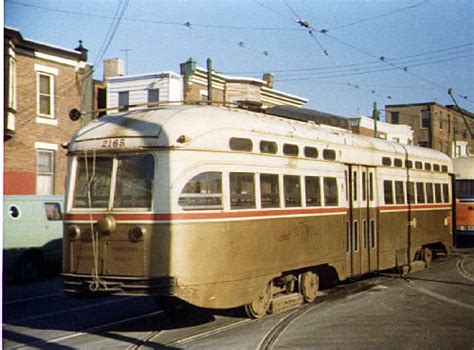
(133,182)
(93,182)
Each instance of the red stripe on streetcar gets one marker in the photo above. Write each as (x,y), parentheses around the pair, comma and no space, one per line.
(204,216)
(416,206)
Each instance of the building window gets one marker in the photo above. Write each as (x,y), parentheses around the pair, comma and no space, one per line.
(123,101)
(441,122)
(153,95)
(44,172)
(395,117)
(45,106)
(425,119)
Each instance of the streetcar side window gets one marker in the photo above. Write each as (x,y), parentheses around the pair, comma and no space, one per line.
(330,192)
(292,190)
(436,167)
(386,161)
(268,147)
(420,192)
(290,150)
(419,165)
(429,193)
(388,191)
(427,166)
(398,162)
(329,154)
(445,193)
(240,144)
(203,191)
(269,191)
(242,191)
(408,164)
(444,168)
(311,152)
(399,192)
(411,192)
(438,193)
(313,191)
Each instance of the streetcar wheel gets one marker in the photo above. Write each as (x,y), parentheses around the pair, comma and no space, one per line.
(427,256)
(259,307)
(309,286)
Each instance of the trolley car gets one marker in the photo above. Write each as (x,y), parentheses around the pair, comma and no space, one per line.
(464,193)
(224,207)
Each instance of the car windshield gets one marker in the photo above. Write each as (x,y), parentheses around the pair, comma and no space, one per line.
(132,186)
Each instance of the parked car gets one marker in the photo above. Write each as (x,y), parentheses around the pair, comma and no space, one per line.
(32,236)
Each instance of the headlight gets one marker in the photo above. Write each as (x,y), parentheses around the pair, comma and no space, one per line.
(74,232)
(136,234)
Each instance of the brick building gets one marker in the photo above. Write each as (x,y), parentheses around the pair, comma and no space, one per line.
(42,84)
(443,128)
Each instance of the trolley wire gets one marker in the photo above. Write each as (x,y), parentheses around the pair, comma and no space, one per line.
(378,16)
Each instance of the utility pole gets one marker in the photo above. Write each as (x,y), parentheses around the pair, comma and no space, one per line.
(126,59)
(375,117)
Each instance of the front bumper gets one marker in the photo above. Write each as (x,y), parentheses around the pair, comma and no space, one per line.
(81,285)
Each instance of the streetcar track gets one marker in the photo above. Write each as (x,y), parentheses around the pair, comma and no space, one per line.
(435,295)
(217,330)
(144,340)
(86,331)
(461,270)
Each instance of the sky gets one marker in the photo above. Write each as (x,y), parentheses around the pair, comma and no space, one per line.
(340,55)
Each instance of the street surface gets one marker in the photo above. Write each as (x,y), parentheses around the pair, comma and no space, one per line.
(432,308)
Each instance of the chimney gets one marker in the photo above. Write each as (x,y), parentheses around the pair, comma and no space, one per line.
(82,50)
(268,78)
(113,67)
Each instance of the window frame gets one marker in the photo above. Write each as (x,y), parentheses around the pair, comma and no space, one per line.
(125,107)
(50,173)
(148,95)
(39,94)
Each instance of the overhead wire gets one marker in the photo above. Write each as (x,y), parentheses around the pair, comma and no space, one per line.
(377,16)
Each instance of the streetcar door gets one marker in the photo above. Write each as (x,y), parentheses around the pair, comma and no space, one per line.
(353,259)
(361,236)
(372,234)
(364,220)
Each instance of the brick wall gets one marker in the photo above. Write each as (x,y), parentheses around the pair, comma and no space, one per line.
(20,151)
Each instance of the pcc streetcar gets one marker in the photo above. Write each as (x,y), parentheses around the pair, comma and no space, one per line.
(464,193)
(224,207)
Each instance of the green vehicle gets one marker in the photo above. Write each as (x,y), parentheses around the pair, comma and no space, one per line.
(32,236)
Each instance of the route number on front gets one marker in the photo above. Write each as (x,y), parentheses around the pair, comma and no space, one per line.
(113,143)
